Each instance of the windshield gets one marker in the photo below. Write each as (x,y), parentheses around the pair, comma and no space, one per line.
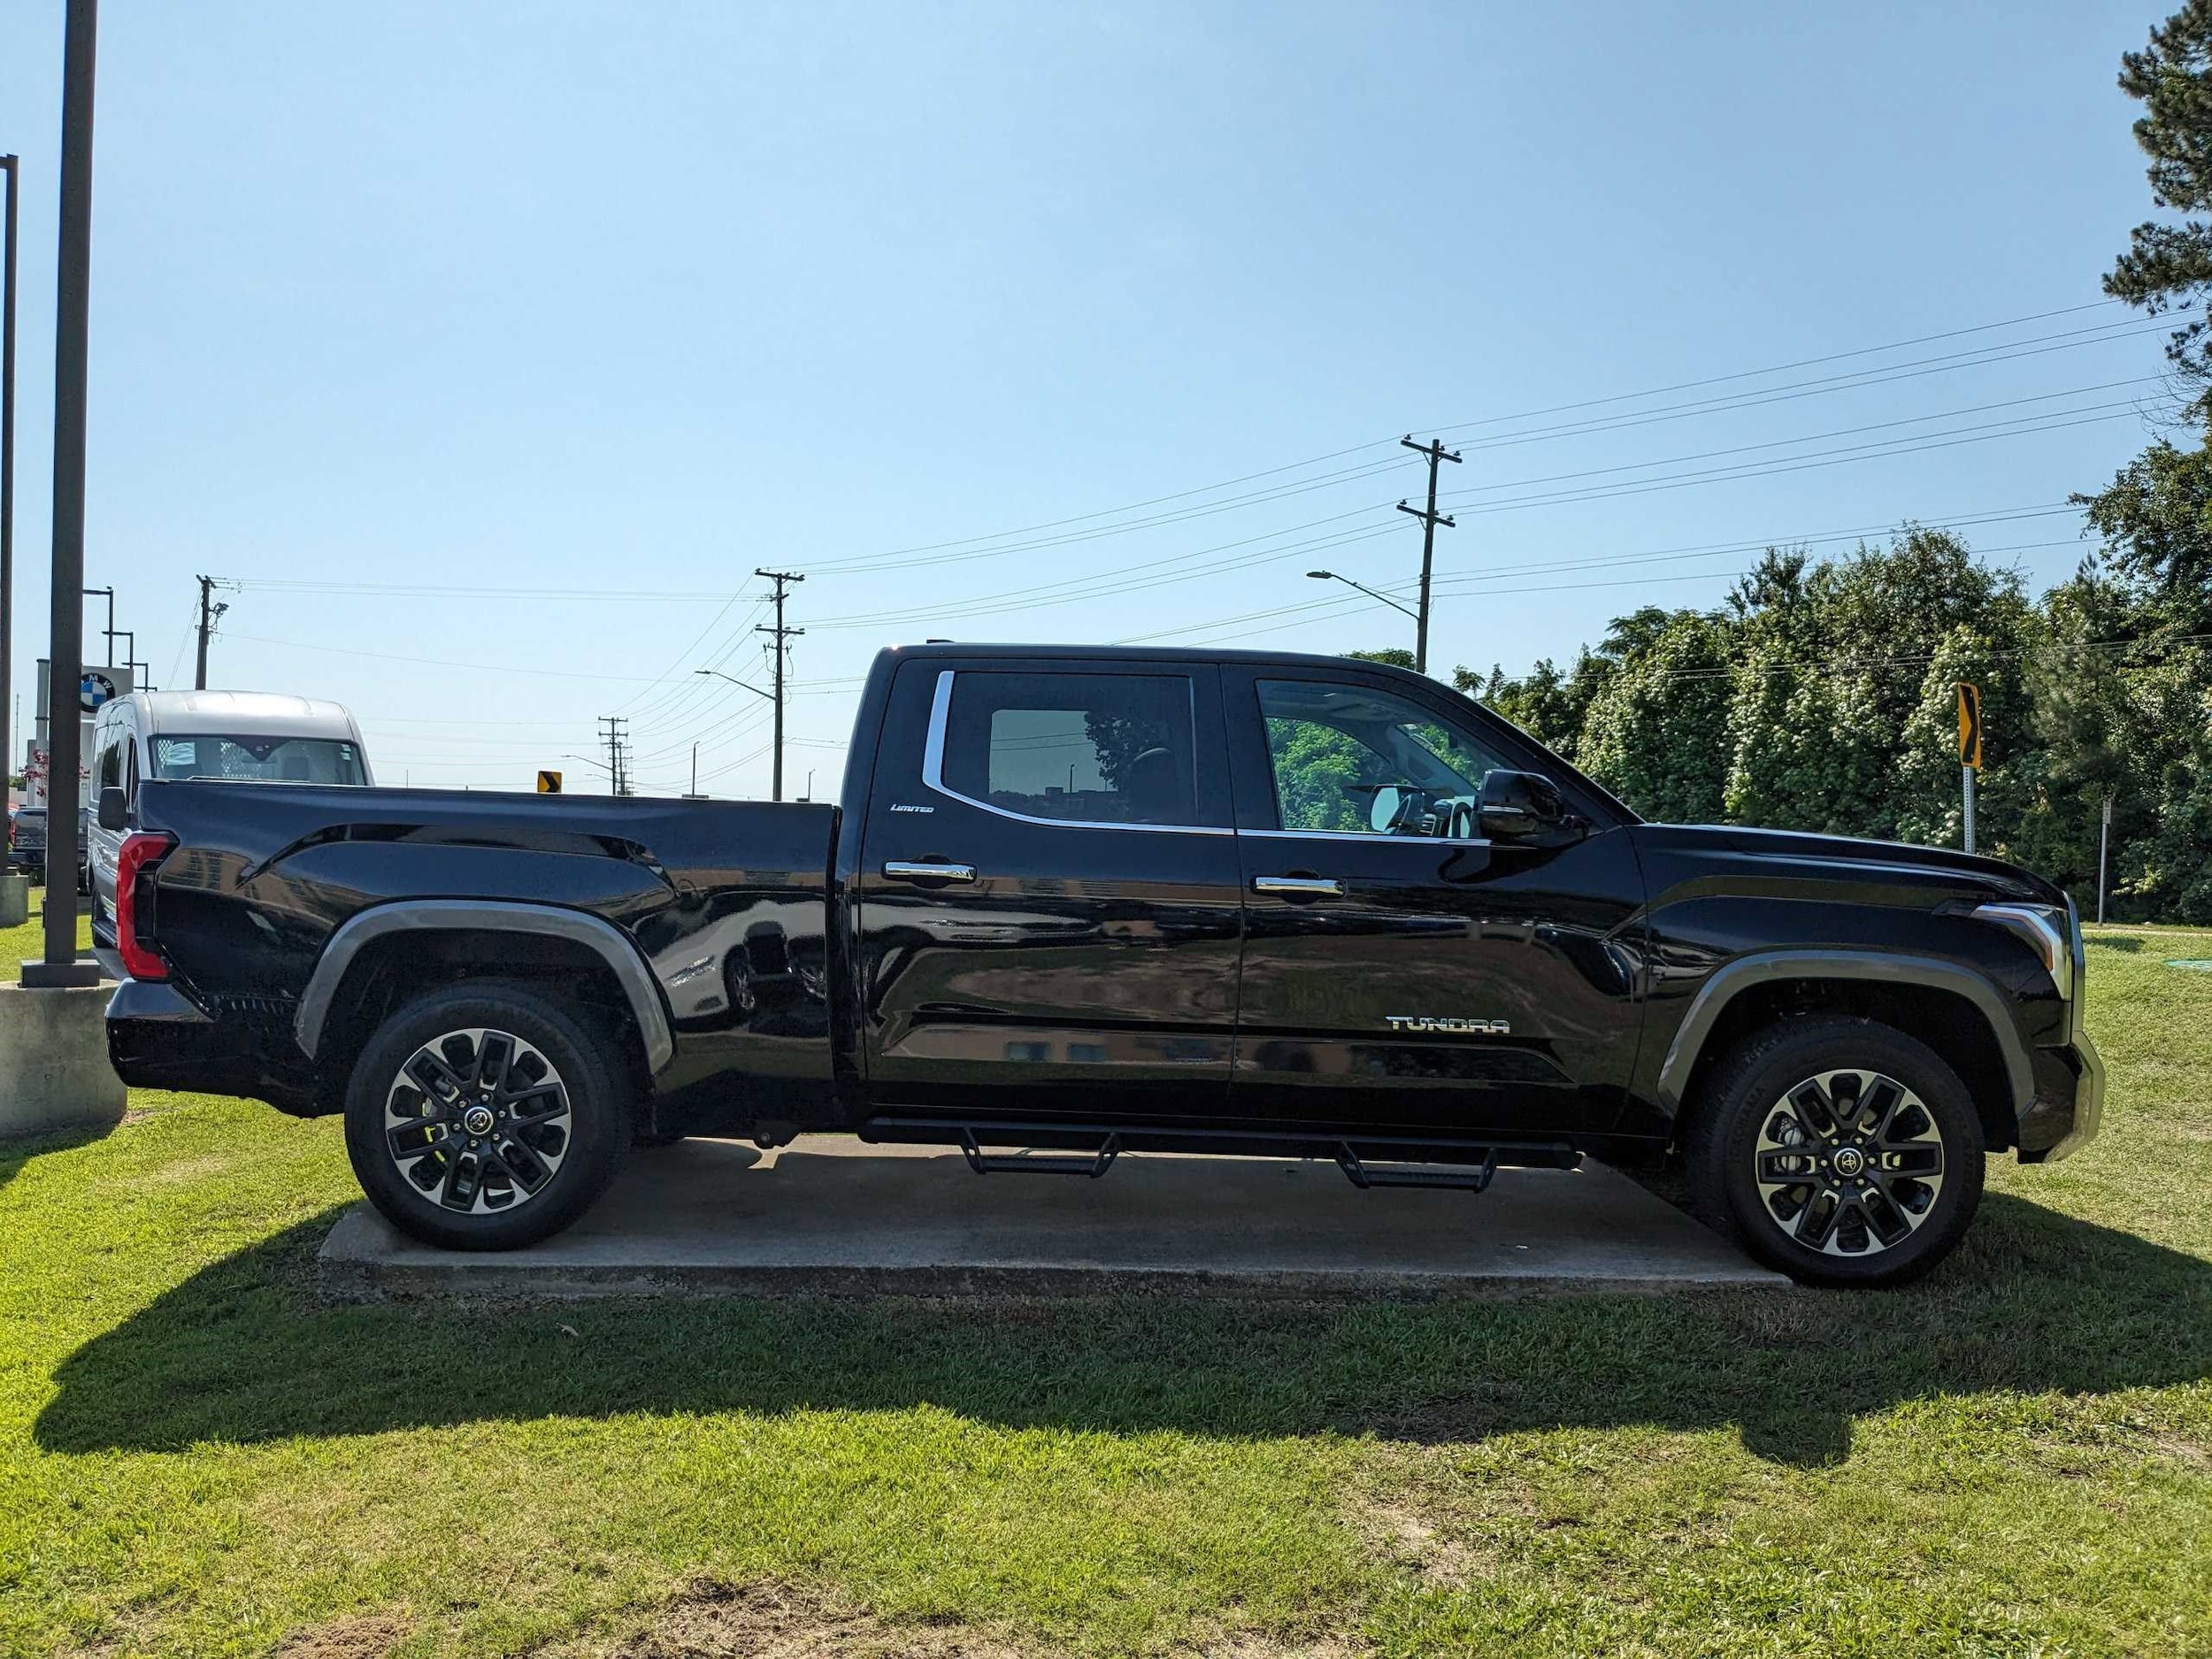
(259,759)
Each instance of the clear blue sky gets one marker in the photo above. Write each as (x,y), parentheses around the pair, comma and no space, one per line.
(628,300)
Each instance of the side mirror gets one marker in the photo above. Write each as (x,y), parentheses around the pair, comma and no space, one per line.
(1516,805)
(1382,811)
(114,811)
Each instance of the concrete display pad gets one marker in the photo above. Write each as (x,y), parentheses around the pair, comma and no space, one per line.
(829,1216)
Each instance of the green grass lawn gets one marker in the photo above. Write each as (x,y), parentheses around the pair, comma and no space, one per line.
(2014,1457)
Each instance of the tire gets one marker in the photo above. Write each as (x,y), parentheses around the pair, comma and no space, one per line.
(544,1077)
(1892,1166)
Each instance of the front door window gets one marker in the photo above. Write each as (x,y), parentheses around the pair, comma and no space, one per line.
(1351,760)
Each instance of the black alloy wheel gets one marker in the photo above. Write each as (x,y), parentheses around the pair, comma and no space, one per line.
(487,1117)
(1838,1150)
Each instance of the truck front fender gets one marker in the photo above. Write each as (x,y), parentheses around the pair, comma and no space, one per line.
(1731,979)
(468,915)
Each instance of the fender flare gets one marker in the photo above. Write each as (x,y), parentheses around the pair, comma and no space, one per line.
(447,915)
(1889,967)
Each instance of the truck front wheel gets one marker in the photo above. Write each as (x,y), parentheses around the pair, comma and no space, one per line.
(485,1117)
(1841,1151)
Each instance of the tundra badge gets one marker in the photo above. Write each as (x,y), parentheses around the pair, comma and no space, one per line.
(1446,1022)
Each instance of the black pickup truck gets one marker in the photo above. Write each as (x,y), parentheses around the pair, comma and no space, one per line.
(1083,900)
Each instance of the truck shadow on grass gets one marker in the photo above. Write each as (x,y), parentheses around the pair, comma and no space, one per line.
(17,1151)
(2034,1301)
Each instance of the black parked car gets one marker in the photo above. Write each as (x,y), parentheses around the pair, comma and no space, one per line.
(27,839)
(1096,901)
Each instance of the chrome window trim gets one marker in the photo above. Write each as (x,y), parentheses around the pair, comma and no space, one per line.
(1370,837)
(934,776)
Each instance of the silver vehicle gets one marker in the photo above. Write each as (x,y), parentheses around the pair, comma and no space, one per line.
(233,736)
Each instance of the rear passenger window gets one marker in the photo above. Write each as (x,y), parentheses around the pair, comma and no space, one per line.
(1079,749)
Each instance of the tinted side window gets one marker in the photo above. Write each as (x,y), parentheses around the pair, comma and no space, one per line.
(1355,760)
(1099,749)
(110,772)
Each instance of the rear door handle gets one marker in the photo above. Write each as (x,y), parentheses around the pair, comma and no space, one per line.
(899,870)
(1300,887)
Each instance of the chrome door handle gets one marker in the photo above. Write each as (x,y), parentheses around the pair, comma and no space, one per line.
(899,870)
(1300,887)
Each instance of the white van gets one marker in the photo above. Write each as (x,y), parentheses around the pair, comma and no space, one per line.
(233,736)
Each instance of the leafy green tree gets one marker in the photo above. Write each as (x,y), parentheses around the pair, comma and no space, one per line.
(1656,733)
(2169,266)
(1547,704)
(1314,768)
(1389,656)
(2155,522)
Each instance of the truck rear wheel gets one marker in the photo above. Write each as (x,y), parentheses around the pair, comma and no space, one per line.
(1838,1150)
(485,1117)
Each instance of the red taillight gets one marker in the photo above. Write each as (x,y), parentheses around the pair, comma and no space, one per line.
(138,855)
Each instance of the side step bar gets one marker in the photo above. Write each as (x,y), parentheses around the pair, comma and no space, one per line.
(1021,1163)
(1090,1150)
(1466,1179)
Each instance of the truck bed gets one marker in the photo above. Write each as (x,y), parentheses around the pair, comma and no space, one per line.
(724,904)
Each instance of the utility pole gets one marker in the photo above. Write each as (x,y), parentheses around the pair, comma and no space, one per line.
(8,165)
(782,579)
(1429,519)
(616,771)
(211,613)
(2104,854)
(60,967)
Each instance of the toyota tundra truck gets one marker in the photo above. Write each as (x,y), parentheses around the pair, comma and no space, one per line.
(1078,902)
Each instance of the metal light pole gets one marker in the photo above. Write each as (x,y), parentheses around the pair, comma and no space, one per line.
(8,165)
(2104,849)
(1420,625)
(772,696)
(73,320)
(107,594)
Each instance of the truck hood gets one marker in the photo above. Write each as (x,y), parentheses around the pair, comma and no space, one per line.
(1791,856)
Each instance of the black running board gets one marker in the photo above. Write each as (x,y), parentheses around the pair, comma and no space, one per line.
(1465,1177)
(1090,1150)
(1025,1164)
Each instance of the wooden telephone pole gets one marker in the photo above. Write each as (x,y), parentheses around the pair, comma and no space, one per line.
(1429,519)
(782,579)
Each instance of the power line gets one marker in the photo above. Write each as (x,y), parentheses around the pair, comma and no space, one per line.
(1316,609)
(1848,432)
(1101,586)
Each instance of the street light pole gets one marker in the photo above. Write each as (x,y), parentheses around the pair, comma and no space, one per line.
(109,594)
(1331,576)
(8,165)
(72,328)
(757,692)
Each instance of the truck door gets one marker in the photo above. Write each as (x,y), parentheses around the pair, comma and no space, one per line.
(1049,911)
(1402,973)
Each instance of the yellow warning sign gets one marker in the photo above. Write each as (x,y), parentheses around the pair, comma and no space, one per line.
(1969,726)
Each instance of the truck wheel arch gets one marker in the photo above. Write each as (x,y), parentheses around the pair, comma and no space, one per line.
(2007,1091)
(381,922)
